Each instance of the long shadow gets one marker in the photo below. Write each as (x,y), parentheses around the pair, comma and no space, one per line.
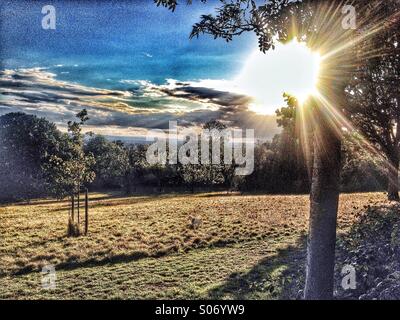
(97,203)
(50,201)
(121,200)
(217,194)
(122,258)
(108,196)
(138,198)
(367,245)
(120,195)
(276,277)
(92,262)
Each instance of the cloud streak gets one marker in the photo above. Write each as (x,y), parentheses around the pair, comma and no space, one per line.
(141,105)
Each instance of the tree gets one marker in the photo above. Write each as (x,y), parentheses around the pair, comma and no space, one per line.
(319,24)
(137,165)
(69,173)
(294,145)
(263,177)
(218,173)
(362,169)
(282,165)
(111,161)
(374,94)
(27,144)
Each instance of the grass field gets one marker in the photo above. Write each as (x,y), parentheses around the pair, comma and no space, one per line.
(147,247)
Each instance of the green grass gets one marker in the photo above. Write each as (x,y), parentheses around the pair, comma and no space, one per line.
(144,247)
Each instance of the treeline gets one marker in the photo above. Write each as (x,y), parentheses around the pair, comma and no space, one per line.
(279,168)
(36,159)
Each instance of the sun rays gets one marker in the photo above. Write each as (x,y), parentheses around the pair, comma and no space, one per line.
(341,52)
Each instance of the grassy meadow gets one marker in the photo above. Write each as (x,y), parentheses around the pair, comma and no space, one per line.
(143,247)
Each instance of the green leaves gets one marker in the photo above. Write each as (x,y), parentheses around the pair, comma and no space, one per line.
(70,171)
(235,17)
(170,4)
(26,144)
(111,160)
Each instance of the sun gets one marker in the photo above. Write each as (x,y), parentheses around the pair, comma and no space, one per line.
(291,68)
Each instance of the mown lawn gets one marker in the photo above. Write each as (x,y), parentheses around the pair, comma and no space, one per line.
(146,247)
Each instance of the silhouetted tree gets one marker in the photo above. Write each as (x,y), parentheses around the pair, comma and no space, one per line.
(216,173)
(137,166)
(295,143)
(362,169)
(374,92)
(26,145)
(111,161)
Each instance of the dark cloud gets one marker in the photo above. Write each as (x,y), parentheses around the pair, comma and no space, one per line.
(199,93)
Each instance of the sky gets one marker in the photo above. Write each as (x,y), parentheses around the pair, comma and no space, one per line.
(132,66)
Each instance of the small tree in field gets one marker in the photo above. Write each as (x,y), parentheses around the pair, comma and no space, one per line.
(72,173)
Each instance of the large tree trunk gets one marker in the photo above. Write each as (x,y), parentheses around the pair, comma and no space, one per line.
(393,177)
(323,211)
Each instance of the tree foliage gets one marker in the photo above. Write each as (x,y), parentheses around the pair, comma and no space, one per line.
(111,161)
(26,146)
(69,172)
(373,93)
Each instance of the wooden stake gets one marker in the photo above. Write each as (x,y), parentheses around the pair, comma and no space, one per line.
(79,204)
(72,207)
(86,211)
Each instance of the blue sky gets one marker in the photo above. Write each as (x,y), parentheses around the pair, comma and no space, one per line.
(133,38)
(130,63)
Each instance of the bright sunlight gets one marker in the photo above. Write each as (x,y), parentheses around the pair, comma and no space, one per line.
(292,68)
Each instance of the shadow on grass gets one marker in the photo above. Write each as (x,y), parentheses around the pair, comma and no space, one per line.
(98,199)
(115,202)
(115,195)
(122,199)
(126,258)
(277,277)
(49,201)
(371,245)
